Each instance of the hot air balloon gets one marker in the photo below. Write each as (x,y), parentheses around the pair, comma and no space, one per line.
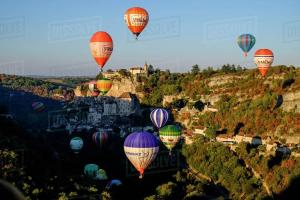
(9,191)
(104,85)
(141,149)
(112,183)
(93,86)
(263,58)
(136,19)
(91,170)
(246,42)
(101,175)
(159,117)
(170,135)
(101,46)
(38,106)
(100,138)
(76,144)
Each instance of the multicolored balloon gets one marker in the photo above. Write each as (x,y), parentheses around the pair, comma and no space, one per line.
(114,182)
(136,19)
(159,117)
(101,45)
(76,144)
(104,85)
(100,138)
(93,86)
(170,135)
(101,175)
(141,149)
(263,58)
(246,42)
(91,170)
(38,106)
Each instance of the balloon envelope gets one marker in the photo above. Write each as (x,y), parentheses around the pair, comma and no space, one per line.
(114,182)
(76,144)
(246,42)
(101,175)
(141,149)
(101,46)
(104,85)
(263,58)
(136,19)
(159,117)
(170,135)
(38,106)
(100,138)
(92,86)
(91,170)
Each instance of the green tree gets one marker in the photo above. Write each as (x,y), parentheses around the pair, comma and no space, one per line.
(195,69)
(99,76)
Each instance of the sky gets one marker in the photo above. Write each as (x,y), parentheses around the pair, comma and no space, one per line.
(51,38)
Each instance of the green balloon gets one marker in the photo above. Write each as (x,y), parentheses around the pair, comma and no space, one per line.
(91,170)
(170,135)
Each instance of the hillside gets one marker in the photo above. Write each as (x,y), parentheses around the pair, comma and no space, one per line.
(224,103)
(265,107)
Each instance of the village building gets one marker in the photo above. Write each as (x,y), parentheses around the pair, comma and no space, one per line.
(225,139)
(139,70)
(248,139)
(199,130)
(110,74)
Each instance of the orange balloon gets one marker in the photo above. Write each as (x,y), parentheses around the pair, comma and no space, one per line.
(101,46)
(136,19)
(263,58)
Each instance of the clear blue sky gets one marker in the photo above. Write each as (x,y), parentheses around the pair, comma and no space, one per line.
(51,37)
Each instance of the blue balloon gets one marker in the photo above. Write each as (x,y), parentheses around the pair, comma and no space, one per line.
(141,149)
(246,42)
(159,117)
(112,183)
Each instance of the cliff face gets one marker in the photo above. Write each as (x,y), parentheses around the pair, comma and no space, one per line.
(291,100)
(123,85)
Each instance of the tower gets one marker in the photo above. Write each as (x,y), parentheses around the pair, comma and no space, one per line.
(146,67)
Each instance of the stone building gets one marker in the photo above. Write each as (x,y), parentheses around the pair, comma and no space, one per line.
(139,70)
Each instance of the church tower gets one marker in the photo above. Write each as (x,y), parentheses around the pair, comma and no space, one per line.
(146,69)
